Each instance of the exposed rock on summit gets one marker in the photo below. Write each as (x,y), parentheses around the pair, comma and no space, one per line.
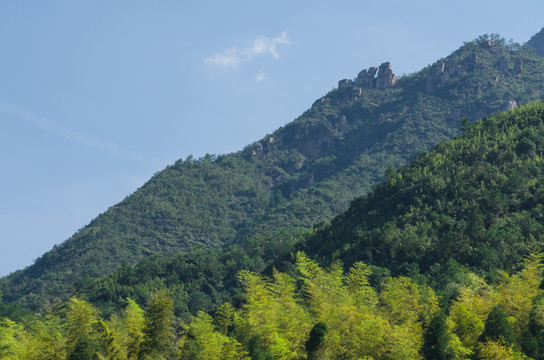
(386,78)
(367,78)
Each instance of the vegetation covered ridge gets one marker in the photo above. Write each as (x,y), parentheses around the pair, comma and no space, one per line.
(476,200)
(304,173)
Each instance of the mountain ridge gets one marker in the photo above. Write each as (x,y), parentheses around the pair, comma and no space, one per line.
(302,174)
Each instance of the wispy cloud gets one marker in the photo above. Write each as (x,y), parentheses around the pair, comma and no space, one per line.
(234,56)
(261,76)
(64,132)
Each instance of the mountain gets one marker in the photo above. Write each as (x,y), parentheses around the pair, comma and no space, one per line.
(537,42)
(302,174)
(476,200)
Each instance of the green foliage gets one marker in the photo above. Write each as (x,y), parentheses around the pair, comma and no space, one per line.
(436,338)
(497,327)
(458,221)
(204,343)
(302,174)
(200,280)
(83,349)
(473,200)
(318,313)
(533,339)
(158,327)
(315,340)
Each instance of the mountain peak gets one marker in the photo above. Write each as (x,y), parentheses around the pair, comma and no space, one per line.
(537,42)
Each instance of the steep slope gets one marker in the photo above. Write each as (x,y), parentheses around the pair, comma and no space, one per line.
(302,174)
(477,199)
(537,42)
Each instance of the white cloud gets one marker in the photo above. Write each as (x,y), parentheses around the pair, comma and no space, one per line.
(260,76)
(228,58)
(261,45)
(64,132)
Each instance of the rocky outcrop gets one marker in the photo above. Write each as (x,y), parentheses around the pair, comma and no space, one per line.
(440,73)
(351,92)
(518,66)
(344,83)
(537,42)
(504,65)
(471,62)
(510,104)
(385,78)
(342,123)
(367,78)
(263,147)
(312,140)
(491,47)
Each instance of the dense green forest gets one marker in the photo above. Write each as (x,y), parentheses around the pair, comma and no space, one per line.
(461,280)
(302,174)
(317,313)
(474,202)
(238,256)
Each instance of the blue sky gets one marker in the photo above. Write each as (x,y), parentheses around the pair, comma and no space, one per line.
(97,96)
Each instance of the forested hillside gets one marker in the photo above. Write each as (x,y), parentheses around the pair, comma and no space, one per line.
(477,200)
(474,202)
(302,174)
(441,260)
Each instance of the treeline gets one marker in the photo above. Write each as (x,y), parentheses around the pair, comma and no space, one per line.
(315,313)
(199,281)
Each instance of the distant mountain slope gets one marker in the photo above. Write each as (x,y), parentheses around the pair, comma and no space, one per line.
(302,174)
(477,199)
(537,42)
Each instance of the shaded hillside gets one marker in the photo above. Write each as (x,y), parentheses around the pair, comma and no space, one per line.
(477,199)
(302,174)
